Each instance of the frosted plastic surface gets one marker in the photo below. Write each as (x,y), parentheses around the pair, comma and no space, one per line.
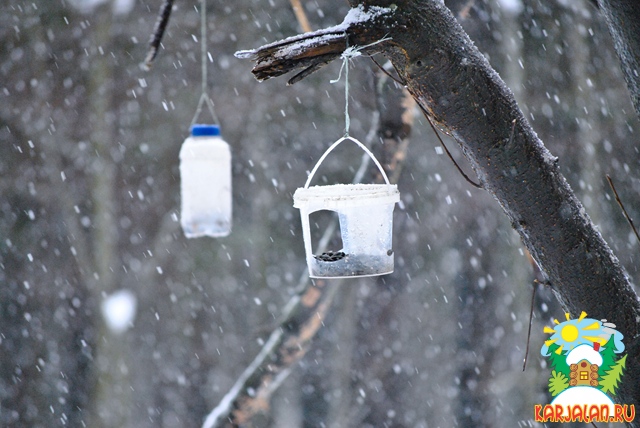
(336,196)
(205,185)
(365,213)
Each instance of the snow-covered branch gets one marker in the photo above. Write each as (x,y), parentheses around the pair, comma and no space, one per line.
(312,51)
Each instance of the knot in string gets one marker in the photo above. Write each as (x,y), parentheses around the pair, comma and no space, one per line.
(349,53)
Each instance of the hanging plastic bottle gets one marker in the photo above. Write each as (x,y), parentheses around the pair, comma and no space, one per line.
(205,183)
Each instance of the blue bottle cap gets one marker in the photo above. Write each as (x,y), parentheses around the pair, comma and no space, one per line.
(199,130)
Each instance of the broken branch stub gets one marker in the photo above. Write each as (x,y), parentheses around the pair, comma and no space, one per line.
(311,51)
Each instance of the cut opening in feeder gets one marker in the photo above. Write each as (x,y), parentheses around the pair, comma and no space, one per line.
(365,216)
(325,233)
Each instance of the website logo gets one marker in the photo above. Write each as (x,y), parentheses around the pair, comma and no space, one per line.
(587,365)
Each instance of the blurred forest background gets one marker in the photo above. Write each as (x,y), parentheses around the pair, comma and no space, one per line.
(89,197)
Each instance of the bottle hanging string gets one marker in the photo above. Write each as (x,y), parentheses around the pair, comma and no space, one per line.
(347,55)
(204,97)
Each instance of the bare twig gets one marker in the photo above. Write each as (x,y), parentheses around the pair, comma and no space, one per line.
(513,131)
(464,12)
(301,16)
(397,114)
(539,278)
(466,177)
(158,32)
(624,211)
(384,70)
(533,299)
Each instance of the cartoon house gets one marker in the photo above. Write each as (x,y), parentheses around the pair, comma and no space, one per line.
(584,362)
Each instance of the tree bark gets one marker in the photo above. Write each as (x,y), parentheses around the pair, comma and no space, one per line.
(454,83)
(623,20)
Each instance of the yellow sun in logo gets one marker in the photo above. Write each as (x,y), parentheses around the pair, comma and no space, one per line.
(571,333)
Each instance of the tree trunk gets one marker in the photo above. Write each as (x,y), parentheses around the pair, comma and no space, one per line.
(623,19)
(113,388)
(455,84)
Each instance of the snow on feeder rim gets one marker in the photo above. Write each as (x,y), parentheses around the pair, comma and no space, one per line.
(205,183)
(365,213)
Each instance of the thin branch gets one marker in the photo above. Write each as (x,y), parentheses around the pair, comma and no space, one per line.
(466,177)
(464,12)
(397,114)
(513,131)
(624,211)
(158,32)
(538,279)
(533,299)
(384,70)
(301,16)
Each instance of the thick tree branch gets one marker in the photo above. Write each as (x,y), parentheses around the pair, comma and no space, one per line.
(450,78)
(623,20)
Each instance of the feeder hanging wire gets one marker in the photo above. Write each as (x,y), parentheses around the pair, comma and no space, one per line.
(204,97)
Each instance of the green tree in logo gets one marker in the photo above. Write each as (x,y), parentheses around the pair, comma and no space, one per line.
(558,360)
(608,357)
(611,369)
(609,381)
(559,380)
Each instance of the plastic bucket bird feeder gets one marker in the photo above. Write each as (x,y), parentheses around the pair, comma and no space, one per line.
(365,213)
(205,183)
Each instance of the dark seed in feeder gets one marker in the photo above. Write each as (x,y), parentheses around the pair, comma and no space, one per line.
(331,256)
(389,252)
(352,265)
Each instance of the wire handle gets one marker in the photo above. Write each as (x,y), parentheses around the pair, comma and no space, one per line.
(204,97)
(333,146)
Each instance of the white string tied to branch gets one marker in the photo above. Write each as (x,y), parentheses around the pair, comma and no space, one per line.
(349,53)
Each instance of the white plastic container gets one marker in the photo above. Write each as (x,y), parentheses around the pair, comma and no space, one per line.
(365,213)
(205,183)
